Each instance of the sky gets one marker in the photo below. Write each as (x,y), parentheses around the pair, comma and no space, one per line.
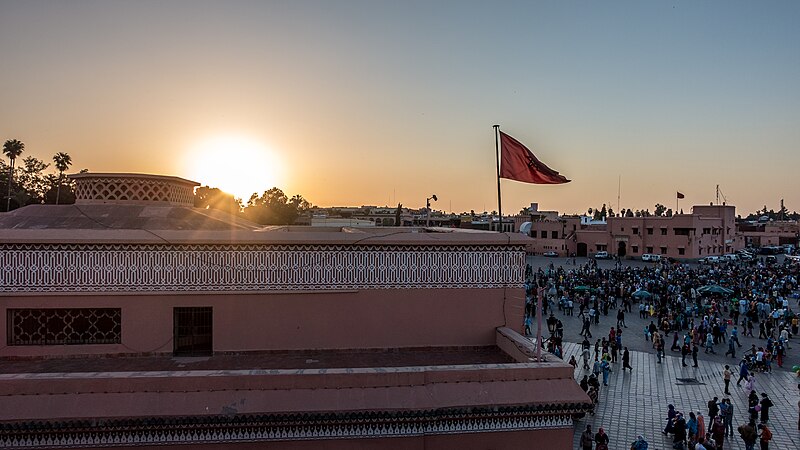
(384,102)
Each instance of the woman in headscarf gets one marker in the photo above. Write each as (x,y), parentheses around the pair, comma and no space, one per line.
(639,443)
(701,425)
(601,439)
(718,431)
(691,425)
(752,405)
(670,420)
(750,385)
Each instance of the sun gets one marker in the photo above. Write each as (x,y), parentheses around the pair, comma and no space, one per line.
(234,164)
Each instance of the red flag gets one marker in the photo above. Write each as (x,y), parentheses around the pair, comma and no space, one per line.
(680,195)
(518,163)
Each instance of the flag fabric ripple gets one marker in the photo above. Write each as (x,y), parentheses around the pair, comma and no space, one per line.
(519,164)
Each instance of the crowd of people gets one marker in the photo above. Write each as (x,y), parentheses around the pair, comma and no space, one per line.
(697,308)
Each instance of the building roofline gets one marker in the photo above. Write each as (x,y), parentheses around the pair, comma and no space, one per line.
(85,175)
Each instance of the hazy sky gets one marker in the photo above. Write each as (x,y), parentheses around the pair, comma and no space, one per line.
(380,102)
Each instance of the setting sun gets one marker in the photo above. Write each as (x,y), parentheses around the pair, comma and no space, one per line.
(234,164)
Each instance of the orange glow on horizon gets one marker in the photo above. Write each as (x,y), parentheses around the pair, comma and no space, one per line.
(235,164)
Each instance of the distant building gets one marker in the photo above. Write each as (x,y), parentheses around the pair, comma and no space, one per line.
(708,230)
(766,233)
(134,319)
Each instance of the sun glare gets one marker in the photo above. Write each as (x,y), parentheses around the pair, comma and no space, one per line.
(236,165)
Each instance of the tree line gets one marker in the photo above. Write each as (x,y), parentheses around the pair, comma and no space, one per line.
(272,207)
(28,184)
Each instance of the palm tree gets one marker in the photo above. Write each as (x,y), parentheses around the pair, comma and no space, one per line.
(63,161)
(12,148)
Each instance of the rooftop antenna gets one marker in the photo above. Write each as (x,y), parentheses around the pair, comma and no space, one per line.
(720,194)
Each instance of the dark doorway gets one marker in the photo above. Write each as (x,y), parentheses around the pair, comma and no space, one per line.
(622,249)
(582,250)
(192,331)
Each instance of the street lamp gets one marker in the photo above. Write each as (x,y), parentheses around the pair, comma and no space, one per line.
(428,208)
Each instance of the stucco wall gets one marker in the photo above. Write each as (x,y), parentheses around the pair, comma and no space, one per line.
(386,318)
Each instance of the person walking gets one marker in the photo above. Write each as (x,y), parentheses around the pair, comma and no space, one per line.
(660,350)
(718,432)
(713,410)
(626,360)
(639,443)
(748,435)
(606,368)
(694,355)
(766,404)
(765,436)
(750,386)
(680,432)
(587,439)
(727,416)
(601,439)
(675,346)
(671,416)
(685,350)
(585,354)
(726,377)
(731,348)
(710,343)
(743,372)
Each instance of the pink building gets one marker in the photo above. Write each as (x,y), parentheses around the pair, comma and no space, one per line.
(708,230)
(134,319)
(765,234)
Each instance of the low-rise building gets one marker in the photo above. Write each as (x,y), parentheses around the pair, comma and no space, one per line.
(707,230)
(133,319)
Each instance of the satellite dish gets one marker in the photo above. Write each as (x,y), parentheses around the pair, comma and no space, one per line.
(525,228)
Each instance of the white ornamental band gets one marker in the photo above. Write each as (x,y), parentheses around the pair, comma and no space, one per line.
(44,268)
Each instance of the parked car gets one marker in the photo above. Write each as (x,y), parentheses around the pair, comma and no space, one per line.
(550,254)
(771,260)
(730,257)
(709,260)
(651,258)
(602,255)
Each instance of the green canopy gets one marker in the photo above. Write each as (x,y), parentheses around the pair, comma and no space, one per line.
(582,288)
(714,289)
(640,294)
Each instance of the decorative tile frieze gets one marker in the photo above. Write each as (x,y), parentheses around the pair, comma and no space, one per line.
(260,428)
(46,268)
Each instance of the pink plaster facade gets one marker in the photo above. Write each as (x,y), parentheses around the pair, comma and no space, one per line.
(771,233)
(708,230)
(273,292)
(292,321)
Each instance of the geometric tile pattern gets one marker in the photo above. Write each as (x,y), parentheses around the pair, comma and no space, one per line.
(240,429)
(133,189)
(64,326)
(43,268)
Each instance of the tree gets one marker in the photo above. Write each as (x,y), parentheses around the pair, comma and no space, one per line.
(206,197)
(62,162)
(12,148)
(660,210)
(273,207)
(397,215)
(34,183)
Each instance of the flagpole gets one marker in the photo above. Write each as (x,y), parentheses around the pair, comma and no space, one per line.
(497,154)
